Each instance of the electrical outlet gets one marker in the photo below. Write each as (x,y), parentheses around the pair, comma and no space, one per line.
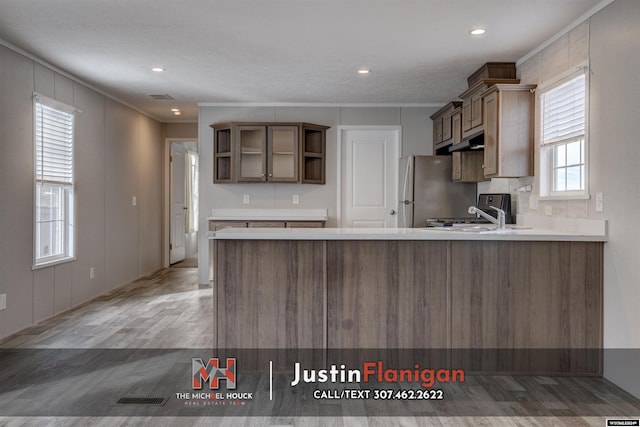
(599,202)
(245,199)
(296,199)
(92,273)
(134,201)
(3,301)
(548,210)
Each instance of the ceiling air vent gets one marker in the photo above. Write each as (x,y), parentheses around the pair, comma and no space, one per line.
(162,97)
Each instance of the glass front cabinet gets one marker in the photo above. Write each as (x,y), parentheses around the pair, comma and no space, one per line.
(269,152)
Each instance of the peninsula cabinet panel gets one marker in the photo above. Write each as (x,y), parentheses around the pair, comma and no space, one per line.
(387,294)
(527,307)
(270,295)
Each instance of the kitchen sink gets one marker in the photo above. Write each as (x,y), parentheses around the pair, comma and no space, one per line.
(482,228)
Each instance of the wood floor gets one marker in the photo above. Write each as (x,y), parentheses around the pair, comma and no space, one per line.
(169,311)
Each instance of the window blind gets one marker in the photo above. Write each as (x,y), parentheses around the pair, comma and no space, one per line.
(54,143)
(564,111)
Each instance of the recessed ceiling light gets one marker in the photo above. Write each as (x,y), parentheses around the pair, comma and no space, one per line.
(477,31)
(363,71)
(175,109)
(177,113)
(157,69)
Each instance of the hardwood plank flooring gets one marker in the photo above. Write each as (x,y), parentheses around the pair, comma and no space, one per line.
(168,310)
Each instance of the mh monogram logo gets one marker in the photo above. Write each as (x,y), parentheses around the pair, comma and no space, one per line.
(213,372)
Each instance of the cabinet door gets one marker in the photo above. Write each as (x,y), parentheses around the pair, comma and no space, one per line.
(456,127)
(456,166)
(282,160)
(467,166)
(219,225)
(305,224)
(491,134)
(466,115)
(251,143)
(437,131)
(266,224)
(476,111)
(446,128)
(313,154)
(222,164)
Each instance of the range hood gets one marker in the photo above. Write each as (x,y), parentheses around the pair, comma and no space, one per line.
(475,142)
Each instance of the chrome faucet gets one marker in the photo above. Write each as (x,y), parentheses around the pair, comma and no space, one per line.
(499,222)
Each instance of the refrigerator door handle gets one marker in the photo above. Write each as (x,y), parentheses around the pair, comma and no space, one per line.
(406,202)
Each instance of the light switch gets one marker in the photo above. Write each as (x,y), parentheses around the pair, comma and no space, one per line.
(3,301)
(548,210)
(92,273)
(296,199)
(599,202)
(134,201)
(245,199)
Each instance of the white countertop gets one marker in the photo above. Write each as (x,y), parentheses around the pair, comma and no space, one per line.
(523,234)
(268,215)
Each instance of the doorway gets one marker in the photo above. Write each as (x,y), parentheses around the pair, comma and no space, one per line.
(182,204)
(368,168)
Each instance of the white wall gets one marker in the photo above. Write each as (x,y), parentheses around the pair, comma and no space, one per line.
(615,160)
(611,41)
(118,155)
(416,139)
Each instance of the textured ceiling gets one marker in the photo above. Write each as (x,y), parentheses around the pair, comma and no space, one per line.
(280,51)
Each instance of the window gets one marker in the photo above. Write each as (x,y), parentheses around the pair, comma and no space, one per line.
(54,209)
(563,137)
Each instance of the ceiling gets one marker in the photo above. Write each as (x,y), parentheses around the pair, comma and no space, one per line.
(280,51)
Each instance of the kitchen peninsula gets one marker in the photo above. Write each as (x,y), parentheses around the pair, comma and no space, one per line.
(528,289)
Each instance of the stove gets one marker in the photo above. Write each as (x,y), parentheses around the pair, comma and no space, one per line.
(450,222)
(485,201)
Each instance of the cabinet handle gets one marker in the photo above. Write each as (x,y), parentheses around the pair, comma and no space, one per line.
(270,174)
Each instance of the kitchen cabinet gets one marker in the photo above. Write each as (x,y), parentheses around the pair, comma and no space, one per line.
(473,105)
(443,127)
(467,166)
(219,225)
(269,152)
(508,130)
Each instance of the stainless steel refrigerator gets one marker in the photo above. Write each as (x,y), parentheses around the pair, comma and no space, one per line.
(427,191)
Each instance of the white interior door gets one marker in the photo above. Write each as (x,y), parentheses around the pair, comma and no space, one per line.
(178,208)
(369,177)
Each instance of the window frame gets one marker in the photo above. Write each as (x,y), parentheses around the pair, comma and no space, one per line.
(546,152)
(67,205)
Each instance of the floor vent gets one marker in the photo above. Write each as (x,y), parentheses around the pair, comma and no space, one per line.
(157,401)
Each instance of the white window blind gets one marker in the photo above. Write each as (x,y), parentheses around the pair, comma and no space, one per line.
(564,111)
(54,144)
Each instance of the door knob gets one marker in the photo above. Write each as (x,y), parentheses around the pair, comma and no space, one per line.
(392,212)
